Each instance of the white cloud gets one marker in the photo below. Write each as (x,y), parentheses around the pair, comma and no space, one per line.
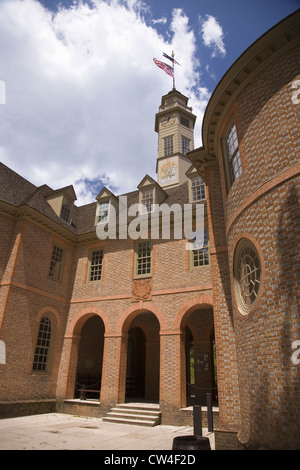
(82,91)
(212,35)
(162,20)
(210,73)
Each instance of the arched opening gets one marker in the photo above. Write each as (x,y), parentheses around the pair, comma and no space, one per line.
(136,362)
(142,365)
(90,357)
(200,360)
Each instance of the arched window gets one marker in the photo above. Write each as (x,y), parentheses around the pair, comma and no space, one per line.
(41,355)
(233,164)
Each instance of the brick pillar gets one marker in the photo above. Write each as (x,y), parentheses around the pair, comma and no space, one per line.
(152,370)
(227,375)
(172,373)
(113,385)
(203,371)
(8,274)
(68,367)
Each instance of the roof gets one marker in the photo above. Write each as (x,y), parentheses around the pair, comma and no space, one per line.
(18,192)
(14,189)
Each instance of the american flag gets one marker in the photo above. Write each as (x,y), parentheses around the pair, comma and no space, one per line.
(165,67)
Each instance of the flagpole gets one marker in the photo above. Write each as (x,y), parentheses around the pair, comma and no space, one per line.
(173,55)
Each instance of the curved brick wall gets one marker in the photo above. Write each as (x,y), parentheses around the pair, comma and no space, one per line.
(263,206)
(254,225)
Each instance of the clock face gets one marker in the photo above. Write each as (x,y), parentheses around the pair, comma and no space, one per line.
(168,121)
(168,172)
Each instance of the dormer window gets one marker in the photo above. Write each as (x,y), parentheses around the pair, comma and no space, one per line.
(62,203)
(65,209)
(103,212)
(198,189)
(197,192)
(147,200)
(107,207)
(150,193)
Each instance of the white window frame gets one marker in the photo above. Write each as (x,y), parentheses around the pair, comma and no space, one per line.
(143,262)
(185,144)
(66,209)
(56,263)
(147,199)
(198,189)
(103,212)
(168,145)
(99,265)
(200,253)
(233,163)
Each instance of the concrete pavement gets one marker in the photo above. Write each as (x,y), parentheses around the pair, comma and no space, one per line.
(57,431)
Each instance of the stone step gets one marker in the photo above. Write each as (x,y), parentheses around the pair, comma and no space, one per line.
(138,413)
(139,406)
(124,420)
(133,415)
(146,414)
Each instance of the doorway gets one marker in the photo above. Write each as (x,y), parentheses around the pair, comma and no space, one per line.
(143,358)
(90,357)
(136,355)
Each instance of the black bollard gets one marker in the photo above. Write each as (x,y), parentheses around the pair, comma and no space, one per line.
(209,412)
(197,420)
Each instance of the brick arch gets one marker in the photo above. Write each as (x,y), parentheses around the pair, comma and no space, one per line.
(190,306)
(134,310)
(193,331)
(53,313)
(82,316)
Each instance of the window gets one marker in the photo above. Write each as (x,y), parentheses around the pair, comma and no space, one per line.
(233,154)
(56,263)
(103,212)
(247,274)
(95,268)
(185,122)
(41,354)
(143,258)
(147,199)
(200,256)
(65,209)
(198,189)
(185,145)
(168,145)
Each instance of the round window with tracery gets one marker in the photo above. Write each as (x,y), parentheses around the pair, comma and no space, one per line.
(247,275)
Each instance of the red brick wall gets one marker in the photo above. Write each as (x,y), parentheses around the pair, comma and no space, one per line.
(27,293)
(263,206)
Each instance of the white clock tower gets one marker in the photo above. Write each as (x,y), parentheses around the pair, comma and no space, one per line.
(174,124)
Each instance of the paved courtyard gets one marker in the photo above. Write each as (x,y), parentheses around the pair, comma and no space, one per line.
(56,431)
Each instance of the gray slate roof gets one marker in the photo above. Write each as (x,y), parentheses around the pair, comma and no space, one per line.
(17,191)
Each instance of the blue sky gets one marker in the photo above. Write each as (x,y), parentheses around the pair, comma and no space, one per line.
(242,22)
(82,89)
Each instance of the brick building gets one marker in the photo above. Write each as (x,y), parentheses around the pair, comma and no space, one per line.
(147,319)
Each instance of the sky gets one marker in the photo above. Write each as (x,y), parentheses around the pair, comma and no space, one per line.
(79,89)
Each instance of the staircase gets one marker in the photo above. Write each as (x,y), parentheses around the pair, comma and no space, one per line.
(141,414)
